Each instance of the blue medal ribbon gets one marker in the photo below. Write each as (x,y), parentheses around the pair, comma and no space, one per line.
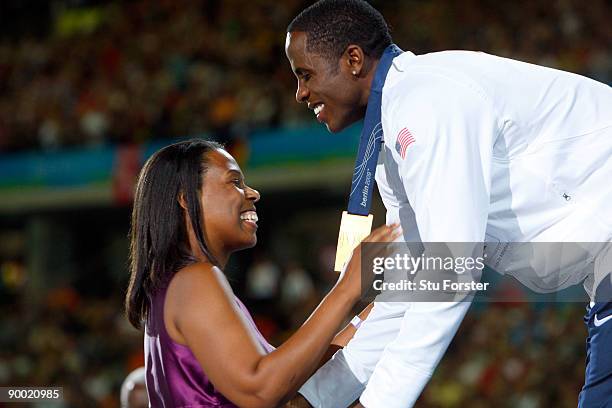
(362,185)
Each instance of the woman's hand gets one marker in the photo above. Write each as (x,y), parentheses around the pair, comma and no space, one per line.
(345,335)
(350,277)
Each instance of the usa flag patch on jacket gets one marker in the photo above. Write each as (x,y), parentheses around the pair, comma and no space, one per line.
(404,139)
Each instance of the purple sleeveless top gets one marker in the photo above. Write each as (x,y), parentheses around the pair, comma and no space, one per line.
(174,377)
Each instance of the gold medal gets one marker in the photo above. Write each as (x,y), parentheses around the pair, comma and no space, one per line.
(353,229)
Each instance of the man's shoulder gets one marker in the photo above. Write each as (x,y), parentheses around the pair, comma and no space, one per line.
(441,63)
(430,78)
(431,93)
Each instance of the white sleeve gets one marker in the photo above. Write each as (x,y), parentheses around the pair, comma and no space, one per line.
(333,385)
(342,379)
(446,176)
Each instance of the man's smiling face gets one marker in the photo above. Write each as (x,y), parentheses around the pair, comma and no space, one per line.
(329,87)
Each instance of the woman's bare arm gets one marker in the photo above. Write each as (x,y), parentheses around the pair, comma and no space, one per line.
(345,335)
(202,315)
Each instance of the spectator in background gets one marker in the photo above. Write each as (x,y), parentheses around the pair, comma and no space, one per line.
(128,72)
(297,294)
(134,390)
(263,279)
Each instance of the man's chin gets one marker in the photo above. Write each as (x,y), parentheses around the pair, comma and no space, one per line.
(334,128)
(339,126)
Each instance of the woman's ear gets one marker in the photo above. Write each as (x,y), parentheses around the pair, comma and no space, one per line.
(181,201)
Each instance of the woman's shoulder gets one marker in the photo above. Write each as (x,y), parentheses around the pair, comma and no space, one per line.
(196,293)
(196,270)
(201,280)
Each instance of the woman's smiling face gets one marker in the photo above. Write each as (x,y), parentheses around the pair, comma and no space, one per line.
(228,206)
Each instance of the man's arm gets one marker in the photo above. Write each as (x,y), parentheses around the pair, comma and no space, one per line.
(339,341)
(340,381)
(446,175)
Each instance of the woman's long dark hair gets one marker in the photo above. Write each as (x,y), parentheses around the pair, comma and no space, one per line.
(159,244)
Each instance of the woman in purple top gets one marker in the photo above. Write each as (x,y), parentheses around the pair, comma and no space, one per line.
(192,209)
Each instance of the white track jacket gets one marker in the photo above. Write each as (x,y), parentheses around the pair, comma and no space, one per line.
(502,151)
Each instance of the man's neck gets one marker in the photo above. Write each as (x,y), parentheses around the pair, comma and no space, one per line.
(371,71)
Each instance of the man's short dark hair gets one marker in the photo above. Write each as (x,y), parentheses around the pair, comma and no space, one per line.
(332,25)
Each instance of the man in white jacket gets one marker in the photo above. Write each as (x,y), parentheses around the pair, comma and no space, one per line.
(475,148)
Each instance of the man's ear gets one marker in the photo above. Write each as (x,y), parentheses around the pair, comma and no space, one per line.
(354,58)
(181,201)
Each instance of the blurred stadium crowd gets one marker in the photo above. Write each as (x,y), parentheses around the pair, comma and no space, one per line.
(126,72)
(115,72)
